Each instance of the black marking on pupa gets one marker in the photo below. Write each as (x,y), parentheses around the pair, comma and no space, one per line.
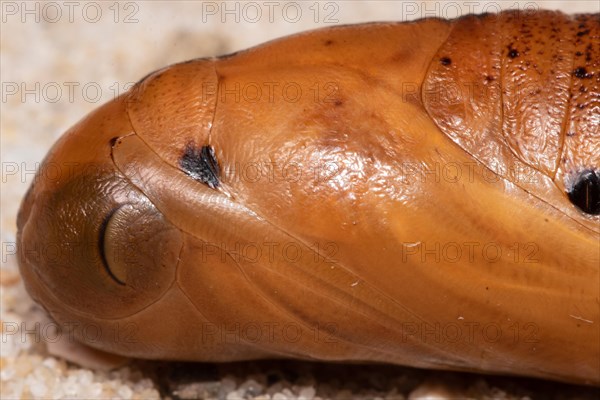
(201,164)
(585,193)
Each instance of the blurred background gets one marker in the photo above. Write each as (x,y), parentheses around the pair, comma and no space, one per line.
(59,60)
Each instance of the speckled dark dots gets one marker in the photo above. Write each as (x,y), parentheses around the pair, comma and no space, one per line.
(583,33)
(201,164)
(588,53)
(585,192)
(445,61)
(582,73)
(513,53)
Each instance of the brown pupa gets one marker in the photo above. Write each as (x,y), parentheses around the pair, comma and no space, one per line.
(422,193)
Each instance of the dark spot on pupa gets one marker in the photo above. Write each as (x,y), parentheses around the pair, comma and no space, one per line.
(581,73)
(445,61)
(582,33)
(489,78)
(201,164)
(578,54)
(513,53)
(585,192)
(338,103)
(328,42)
(113,141)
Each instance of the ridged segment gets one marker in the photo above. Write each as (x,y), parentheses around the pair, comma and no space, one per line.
(581,150)
(536,56)
(520,92)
